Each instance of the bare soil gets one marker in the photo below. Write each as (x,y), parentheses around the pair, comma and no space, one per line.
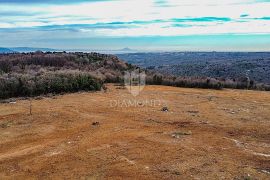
(203,134)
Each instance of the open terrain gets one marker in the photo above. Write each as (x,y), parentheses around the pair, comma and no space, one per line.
(205,134)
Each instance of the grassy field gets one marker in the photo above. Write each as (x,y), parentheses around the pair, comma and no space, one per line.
(205,134)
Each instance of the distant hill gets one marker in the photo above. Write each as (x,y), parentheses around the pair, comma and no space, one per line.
(126,49)
(32,49)
(6,50)
(117,51)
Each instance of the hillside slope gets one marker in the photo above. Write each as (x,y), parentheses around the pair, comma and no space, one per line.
(205,134)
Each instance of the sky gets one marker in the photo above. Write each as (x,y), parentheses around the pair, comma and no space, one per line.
(146,25)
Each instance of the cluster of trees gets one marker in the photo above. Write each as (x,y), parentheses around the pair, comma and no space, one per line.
(18,85)
(61,60)
(204,82)
(32,74)
(188,82)
(233,65)
(244,83)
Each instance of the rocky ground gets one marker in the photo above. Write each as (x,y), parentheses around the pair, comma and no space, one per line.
(164,133)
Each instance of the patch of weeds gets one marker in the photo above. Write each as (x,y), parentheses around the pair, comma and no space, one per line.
(6,101)
(246,177)
(193,112)
(176,173)
(5,125)
(179,134)
(121,87)
(165,109)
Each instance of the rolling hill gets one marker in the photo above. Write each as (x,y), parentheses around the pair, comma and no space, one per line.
(6,50)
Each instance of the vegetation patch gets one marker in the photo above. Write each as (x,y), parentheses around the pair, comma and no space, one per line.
(35,74)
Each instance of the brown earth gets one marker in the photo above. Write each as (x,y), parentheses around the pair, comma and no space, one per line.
(206,134)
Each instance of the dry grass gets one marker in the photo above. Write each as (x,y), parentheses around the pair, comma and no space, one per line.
(224,134)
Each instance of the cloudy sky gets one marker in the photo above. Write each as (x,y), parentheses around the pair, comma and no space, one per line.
(193,25)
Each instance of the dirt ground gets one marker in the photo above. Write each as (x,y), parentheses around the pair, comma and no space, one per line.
(205,134)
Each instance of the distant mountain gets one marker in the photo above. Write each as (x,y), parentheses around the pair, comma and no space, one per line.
(6,50)
(126,49)
(32,49)
(112,51)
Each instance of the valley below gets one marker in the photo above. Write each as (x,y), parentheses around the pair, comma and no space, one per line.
(227,65)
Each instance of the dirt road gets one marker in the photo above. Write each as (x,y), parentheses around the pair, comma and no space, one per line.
(205,134)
